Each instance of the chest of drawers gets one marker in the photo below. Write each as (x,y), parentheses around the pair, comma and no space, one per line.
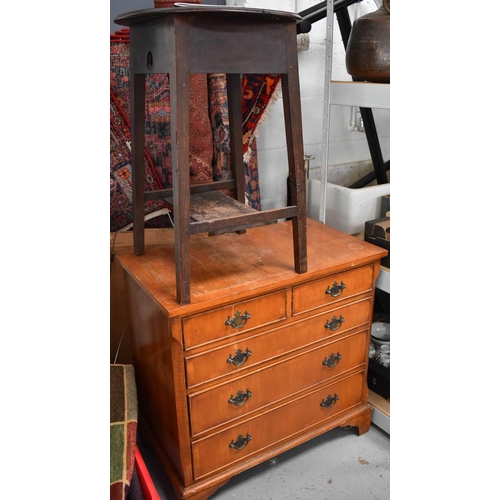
(261,360)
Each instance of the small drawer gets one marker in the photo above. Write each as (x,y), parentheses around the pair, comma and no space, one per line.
(332,289)
(249,438)
(236,398)
(242,354)
(234,319)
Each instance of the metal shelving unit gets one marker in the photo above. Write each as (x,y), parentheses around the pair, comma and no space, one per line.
(381,407)
(343,93)
(364,95)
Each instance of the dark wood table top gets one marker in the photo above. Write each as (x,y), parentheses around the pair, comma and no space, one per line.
(145,15)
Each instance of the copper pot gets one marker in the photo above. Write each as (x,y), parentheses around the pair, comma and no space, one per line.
(368,52)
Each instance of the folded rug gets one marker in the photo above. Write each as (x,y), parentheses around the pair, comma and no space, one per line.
(219,118)
(121,173)
(123,429)
(157,121)
(259,91)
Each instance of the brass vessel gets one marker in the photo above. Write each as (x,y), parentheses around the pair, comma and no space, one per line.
(368,52)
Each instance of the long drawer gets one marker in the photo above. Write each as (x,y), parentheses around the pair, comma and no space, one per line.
(248,438)
(234,319)
(329,290)
(239,397)
(251,351)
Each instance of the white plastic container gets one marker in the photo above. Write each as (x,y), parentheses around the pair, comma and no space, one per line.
(346,209)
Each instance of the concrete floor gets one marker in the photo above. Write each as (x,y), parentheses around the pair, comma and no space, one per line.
(336,465)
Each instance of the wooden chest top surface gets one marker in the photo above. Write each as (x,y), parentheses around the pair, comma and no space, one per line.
(236,266)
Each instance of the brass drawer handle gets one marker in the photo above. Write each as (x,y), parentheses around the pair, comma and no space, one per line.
(333,360)
(240,357)
(239,320)
(240,442)
(329,402)
(336,289)
(240,399)
(335,323)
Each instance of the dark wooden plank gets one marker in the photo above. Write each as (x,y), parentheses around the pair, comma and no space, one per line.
(152,38)
(230,13)
(195,188)
(223,10)
(243,221)
(214,205)
(236,133)
(179,121)
(240,46)
(217,212)
(295,149)
(137,118)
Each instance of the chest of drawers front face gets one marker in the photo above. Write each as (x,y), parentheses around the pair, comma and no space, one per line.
(264,370)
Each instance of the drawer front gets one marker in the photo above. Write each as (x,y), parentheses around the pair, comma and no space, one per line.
(236,398)
(332,289)
(214,364)
(234,319)
(215,452)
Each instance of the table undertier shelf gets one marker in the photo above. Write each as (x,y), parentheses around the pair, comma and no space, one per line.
(214,211)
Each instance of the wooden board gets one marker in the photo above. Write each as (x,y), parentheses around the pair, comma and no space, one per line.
(379,402)
(215,205)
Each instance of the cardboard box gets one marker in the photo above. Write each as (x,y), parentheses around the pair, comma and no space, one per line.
(377,232)
(385,205)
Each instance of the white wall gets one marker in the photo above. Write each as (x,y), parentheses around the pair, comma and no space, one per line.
(346,145)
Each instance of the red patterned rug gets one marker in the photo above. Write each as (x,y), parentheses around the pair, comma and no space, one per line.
(259,91)
(121,173)
(157,125)
(217,91)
